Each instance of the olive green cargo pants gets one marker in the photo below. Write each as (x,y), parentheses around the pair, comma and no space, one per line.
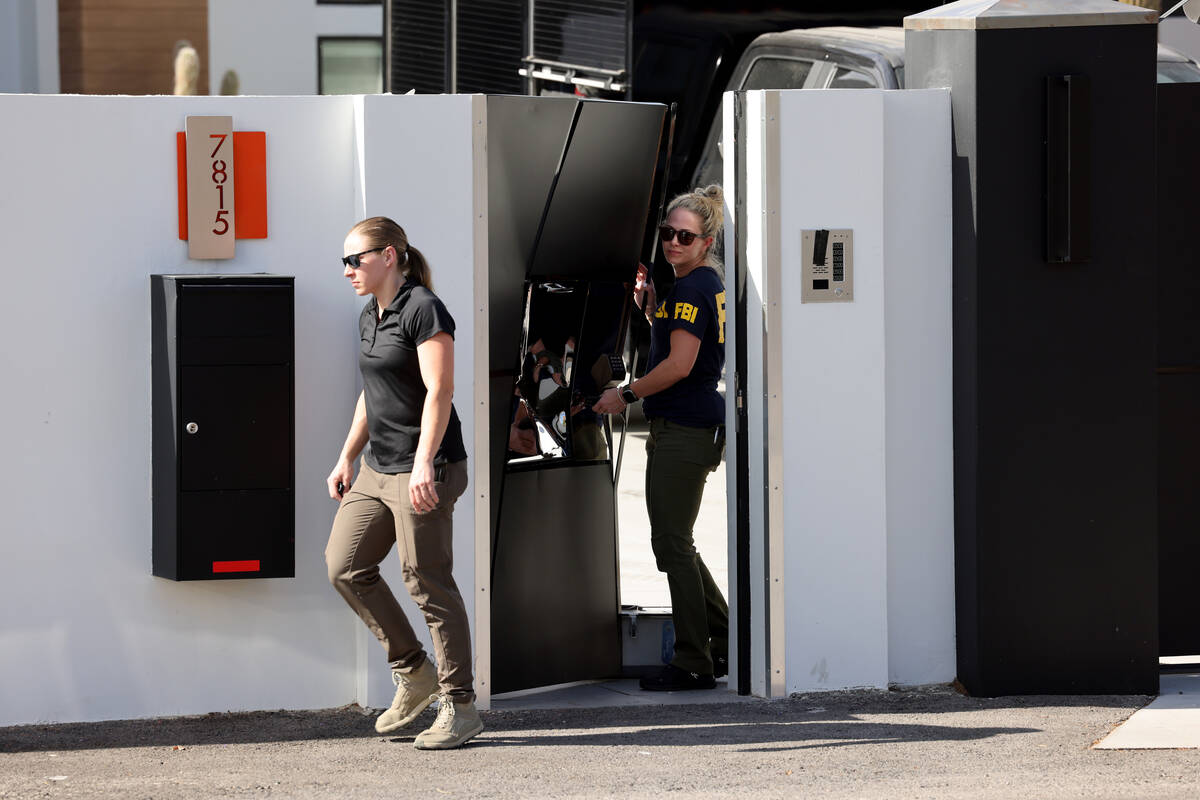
(678,461)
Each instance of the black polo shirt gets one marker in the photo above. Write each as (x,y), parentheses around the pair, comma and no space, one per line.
(392,386)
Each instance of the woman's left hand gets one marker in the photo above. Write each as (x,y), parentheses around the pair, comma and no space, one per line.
(610,402)
(421,492)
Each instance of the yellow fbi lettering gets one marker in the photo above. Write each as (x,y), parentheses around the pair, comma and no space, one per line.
(689,312)
(720,298)
(686,312)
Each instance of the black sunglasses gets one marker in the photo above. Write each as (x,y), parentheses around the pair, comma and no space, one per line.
(355,259)
(667,233)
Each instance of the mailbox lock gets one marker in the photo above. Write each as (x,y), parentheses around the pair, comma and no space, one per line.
(191,427)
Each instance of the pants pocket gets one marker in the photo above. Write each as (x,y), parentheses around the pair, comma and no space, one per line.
(718,448)
(450,481)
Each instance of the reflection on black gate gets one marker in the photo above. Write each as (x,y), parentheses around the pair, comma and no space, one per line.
(569,186)
(571,352)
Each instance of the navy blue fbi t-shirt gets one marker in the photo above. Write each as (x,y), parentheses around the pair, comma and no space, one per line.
(392,386)
(696,304)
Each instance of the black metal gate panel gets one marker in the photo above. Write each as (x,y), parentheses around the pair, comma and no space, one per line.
(1178,369)
(569,185)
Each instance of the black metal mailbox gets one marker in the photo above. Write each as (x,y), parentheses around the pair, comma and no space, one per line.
(223,431)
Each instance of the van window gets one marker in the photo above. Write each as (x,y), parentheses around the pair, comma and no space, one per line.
(777,73)
(852,79)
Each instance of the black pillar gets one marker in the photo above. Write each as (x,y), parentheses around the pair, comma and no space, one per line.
(1054,340)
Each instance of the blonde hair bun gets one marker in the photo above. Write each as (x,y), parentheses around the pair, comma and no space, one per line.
(707,203)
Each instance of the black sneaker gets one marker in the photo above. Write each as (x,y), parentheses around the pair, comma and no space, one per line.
(720,666)
(674,679)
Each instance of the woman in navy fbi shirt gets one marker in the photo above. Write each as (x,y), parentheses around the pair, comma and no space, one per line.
(413,469)
(687,431)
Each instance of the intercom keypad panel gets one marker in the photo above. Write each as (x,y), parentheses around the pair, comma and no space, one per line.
(827,265)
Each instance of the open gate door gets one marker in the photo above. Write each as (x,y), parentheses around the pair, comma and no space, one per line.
(569,191)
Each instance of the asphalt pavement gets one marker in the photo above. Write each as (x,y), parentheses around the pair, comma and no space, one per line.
(923,743)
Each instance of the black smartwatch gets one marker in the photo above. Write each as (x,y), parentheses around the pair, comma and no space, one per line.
(628,396)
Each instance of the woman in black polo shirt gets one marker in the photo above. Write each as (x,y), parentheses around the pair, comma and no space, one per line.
(687,431)
(413,469)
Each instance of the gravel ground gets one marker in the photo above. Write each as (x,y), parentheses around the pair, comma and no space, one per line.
(923,743)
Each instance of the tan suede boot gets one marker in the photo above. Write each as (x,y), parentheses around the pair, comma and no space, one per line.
(414,692)
(455,724)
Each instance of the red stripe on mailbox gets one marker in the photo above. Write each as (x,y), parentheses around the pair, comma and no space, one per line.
(236,566)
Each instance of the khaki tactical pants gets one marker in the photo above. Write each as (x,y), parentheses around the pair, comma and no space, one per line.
(375,514)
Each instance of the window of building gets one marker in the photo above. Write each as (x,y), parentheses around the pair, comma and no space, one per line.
(349,65)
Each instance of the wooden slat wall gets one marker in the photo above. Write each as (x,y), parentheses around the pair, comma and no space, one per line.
(128,46)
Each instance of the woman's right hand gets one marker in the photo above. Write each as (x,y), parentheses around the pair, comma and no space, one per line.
(644,286)
(610,402)
(342,475)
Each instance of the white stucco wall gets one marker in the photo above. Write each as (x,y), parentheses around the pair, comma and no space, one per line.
(918,336)
(272,44)
(86,633)
(856,492)
(834,478)
(418,169)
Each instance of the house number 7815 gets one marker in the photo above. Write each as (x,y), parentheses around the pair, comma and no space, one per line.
(219,176)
